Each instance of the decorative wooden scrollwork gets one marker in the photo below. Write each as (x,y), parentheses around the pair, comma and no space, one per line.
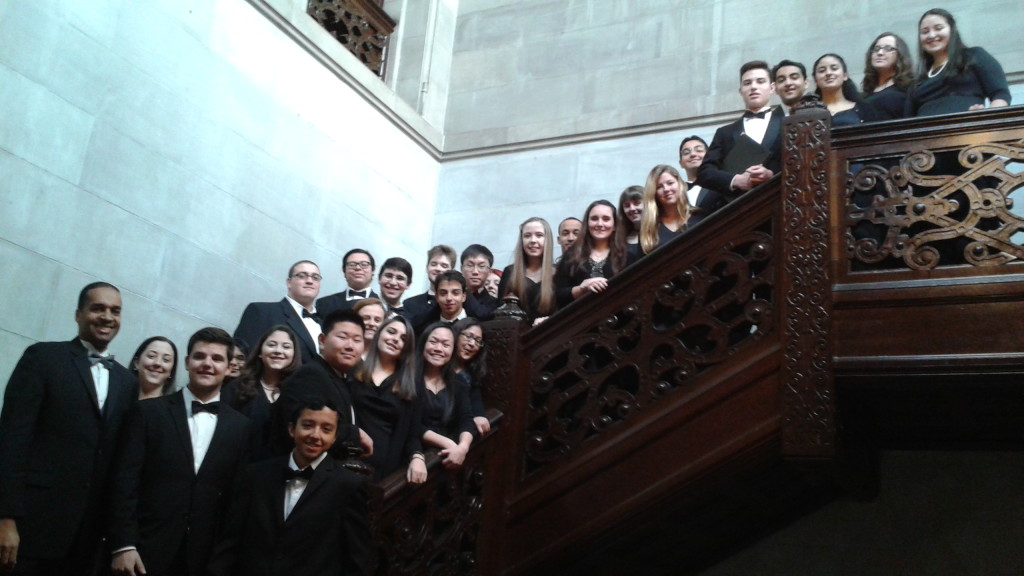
(435,529)
(635,356)
(937,208)
(360,25)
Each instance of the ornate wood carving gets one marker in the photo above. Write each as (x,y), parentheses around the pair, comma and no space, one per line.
(360,25)
(936,208)
(630,358)
(809,426)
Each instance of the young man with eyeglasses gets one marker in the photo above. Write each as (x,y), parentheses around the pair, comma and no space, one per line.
(691,154)
(296,310)
(358,267)
(395,277)
(477,261)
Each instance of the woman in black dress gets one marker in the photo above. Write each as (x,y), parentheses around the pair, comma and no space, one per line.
(888,73)
(470,365)
(447,421)
(596,257)
(271,361)
(839,93)
(384,399)
(952,77)
(666,209)
(530,277)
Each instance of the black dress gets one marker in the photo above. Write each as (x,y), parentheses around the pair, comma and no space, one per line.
(889,103)
(532,301)
(947,93)
(859,114)
(257,409)
(389,421)
(567,277)
(443,413)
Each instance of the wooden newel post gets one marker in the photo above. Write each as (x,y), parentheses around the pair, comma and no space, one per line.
(808,391)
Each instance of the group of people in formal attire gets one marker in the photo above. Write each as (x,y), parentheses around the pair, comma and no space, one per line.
(240,469)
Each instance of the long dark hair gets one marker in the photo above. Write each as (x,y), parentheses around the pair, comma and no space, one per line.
(849,88)
(404,383)
(902,69)
(247,385)
(447,371)
(624,227)
(477,366)
(579,253)
(133,366)
(956,51)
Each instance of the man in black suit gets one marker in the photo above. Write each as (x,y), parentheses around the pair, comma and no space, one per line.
(439,259)
(326,376)
(450,291)
(395,277)
(790,82)
(477,260)
(176,462)
(296,310)
(691,155)
(757,133)
(63,408)
(298,515)
(358,266)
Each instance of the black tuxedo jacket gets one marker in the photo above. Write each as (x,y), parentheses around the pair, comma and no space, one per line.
(260,316)
(338,301)
(159,504)
(327,532)
(716,181)
(314,380)
(56,445)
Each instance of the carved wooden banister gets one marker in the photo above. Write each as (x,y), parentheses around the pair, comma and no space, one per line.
(362,26)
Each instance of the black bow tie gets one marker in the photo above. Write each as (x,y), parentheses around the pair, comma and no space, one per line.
(107,361)
(360,294)
(308,314)
(211,407)
(762,114)
(291,474)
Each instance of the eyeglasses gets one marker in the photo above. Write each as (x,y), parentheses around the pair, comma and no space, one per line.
(307,276)
(479,342)
(697,149)
(394,278)
(364,264)
(883,49)
(480,267)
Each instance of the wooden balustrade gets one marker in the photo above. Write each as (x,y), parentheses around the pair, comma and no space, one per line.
(359,25)
(714,370)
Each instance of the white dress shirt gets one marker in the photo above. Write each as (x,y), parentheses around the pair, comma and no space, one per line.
(756,128)
(296,486)
(100,375)
(312,326)
(200,427)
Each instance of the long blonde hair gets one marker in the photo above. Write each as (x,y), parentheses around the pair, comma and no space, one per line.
(517,283)
(652,213)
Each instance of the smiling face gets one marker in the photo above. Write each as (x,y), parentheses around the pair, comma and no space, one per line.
(392,340)
(155,364)
(450,297)
(933,33)
(372,316)
(568,231)
(100,318)
(791,84)
(358,270)
(634,210)
(667,192)
(829,74)
(533,240)
(884,54)
(691,154)
(277,351)
(393,283)
(436,265)
(207,365)
(313,434)
(437,350)
(601,222)
(492,283)
(304,283)
(342,347)
(756,88)
(470,341)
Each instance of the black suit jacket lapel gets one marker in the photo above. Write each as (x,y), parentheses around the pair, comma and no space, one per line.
(294,321)
(315,483)
(80,358)
(774,129)
(176,412)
